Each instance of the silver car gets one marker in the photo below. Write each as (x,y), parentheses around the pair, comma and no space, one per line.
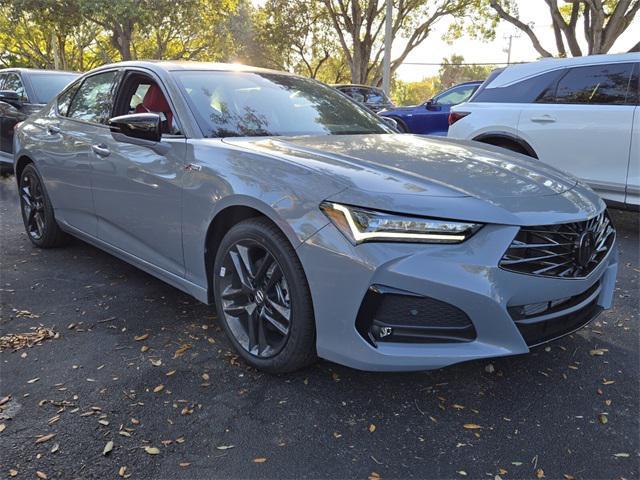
(313,227)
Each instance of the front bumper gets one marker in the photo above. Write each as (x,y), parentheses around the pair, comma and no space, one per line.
(466,276)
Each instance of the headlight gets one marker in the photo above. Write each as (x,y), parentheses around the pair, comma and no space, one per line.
(361,225)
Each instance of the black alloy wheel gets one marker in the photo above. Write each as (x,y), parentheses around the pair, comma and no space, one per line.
(255,299)
(37,212)
(263,298)
(32,200)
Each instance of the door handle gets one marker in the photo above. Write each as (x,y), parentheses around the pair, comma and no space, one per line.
(543,119)
(53,130)
(101,150)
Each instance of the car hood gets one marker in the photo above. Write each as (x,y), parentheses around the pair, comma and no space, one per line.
(415,165)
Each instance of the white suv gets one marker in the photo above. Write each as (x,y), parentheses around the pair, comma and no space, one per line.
(580,114)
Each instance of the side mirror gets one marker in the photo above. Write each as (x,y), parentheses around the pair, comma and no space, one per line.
(11,97)
(432,105)
(144,126)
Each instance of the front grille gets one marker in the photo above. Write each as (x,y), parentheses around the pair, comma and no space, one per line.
(567,250)
(391,315)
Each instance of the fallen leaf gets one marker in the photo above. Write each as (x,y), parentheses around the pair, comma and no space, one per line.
(205,377)
(2,427)
(33,380)
(602,418)
(462,472)
(568,477)
(490,368)
(144,348)
(41,475)
(124,433)
(45,438)
(103,422)
(621,455)
(13,473)
(184,464)
(374,476)
(108,447)
(225,447)
(180,351)
(471,426)
(259,460)
(598,352)
(152,450)
(372,428)
(140,338)
(539,473)
(159,388)
(168,374)
(156,363)
(122,471)
(135,421)
(4,400)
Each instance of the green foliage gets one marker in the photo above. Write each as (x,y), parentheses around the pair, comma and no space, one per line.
(451,73)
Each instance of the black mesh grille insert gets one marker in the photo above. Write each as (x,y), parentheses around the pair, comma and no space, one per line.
(391,315)
(568,250)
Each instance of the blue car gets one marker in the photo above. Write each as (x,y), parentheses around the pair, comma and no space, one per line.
(432,116)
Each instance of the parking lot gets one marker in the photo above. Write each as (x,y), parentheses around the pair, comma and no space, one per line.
(137,363)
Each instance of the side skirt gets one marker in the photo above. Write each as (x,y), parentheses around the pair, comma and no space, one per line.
(196,291)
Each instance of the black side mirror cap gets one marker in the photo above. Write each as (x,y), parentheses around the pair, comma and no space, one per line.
(143,126)
(11,97)
(432,105)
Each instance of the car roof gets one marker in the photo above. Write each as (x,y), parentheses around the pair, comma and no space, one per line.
(521,71)
(38,70)
(170,66)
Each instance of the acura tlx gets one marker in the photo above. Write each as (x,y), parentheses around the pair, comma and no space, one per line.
(312,225)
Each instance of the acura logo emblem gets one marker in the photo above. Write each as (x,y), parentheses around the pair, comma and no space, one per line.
(585,248)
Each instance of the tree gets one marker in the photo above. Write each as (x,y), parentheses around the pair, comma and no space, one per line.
(452,71)
(359,26)
(48,34)
(602,21)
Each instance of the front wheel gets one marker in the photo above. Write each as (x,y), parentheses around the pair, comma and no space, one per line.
(263,299)
(37,211)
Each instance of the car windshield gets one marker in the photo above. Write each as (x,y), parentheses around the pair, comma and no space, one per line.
(234,104)
(48,85)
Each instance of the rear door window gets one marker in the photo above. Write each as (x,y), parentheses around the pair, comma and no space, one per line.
(595,85)
(64,100)
(93,101)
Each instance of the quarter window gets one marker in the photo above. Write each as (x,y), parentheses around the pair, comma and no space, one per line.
(595,85)
(94,99)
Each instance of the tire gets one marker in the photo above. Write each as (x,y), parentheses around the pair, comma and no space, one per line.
(402,127)
(37,211)
(258,280)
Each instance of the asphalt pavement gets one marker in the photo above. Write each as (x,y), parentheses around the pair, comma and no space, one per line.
(138,380)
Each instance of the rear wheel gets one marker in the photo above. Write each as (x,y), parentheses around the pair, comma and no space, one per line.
(37,211)
(263,299)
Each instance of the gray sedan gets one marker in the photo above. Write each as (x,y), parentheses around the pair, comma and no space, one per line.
(314,228)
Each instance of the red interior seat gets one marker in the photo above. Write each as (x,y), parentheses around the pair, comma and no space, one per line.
(155,102)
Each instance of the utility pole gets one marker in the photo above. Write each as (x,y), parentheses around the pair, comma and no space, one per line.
(386,61)
(507,50)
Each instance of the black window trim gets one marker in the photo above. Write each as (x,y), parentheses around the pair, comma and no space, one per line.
(114,87)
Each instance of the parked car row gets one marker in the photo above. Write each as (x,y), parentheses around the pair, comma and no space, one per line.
(315,228)
(23,92)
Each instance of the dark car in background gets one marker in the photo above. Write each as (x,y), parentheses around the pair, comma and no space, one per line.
(431,117)
(23,92)
(371,97)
